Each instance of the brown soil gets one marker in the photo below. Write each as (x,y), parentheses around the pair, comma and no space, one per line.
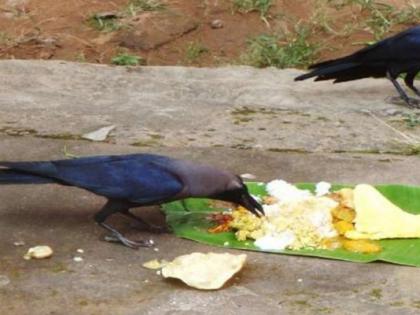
(54,29)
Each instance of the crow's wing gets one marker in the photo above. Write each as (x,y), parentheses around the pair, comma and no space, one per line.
(137,178)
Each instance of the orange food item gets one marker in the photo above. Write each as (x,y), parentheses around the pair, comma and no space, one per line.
(222,221)
(269,200)
(332,243)
(343,226)
(220,228)
(344,214)
(361,246)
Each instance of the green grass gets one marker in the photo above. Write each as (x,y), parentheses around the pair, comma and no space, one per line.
(111,23)
(411,120)
(266,51)
(125,59)
(135,6)
(262,6)
(194,51)
(104,24)
(80,57)
(381,17)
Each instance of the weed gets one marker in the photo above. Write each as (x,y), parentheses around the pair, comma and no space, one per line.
(135,6)
(376,293)
(381,16)
(411,120)
(265,51)
(80,57)
(104,24)
(408,15)
(125,59)
(262,6)
(194,51)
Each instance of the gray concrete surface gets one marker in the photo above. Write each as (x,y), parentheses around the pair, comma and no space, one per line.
(237,107)
(45,104)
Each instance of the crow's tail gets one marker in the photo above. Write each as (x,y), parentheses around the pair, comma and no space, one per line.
(16,177)
(329,70)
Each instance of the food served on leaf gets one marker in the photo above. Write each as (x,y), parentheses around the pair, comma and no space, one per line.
(295,219)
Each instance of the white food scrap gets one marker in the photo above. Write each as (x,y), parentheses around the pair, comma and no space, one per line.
(155,264)
(38,252)
(204,271)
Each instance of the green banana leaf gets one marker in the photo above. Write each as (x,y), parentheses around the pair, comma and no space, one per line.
(189,219)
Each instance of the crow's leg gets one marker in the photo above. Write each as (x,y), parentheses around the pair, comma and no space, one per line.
(409,81)
(143,225)
(411,102)
(108,209)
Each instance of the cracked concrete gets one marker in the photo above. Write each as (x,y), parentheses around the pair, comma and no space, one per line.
(312,132)
(190,107)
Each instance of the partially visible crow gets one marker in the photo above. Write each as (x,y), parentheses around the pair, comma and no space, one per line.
(135,180)
(387,58)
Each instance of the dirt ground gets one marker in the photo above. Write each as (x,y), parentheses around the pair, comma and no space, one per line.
(186,32)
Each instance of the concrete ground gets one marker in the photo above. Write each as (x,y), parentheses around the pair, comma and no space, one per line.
(239,118)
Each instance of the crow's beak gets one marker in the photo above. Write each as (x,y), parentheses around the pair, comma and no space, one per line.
(251,204)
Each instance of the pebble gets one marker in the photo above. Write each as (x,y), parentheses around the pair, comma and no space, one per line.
(216,24)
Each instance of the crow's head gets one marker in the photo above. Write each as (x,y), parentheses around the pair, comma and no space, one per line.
(205,181)
(237,192)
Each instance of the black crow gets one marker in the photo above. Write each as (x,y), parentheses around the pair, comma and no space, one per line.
(387,58)
(135,180)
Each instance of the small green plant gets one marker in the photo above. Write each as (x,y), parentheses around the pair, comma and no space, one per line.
(125,59)
(104,23)
(266,50)
(261,6)
(80,57)
(407,15)
(135,6)
(380,20)
(194,51)
(381,17)
(411,120)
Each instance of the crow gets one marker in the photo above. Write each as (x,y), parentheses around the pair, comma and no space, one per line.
(387,58)
(133,180)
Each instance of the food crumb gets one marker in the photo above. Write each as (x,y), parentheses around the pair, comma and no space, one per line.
(79,250)
(77,259)
(300,280)
(38,252)
(226,244)
(158,272)
(154,264)
(19,243)
(156,249)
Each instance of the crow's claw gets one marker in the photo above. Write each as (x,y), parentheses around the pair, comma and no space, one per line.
(118,237)
(410,101)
